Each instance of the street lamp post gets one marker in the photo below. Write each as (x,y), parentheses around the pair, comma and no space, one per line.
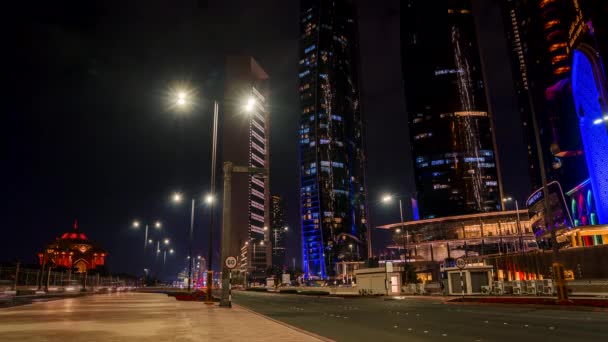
(229,169)
(562,293)
(519,231)
(177,198)
(208,293)
(182,101)
(404,234)
(136,224)
(171,251)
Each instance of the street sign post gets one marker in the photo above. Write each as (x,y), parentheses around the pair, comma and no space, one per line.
(230,262)
(461,264)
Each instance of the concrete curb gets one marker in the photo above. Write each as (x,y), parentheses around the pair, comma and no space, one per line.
(305,332)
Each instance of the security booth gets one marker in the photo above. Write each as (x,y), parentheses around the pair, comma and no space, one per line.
(473,279)
(379,280)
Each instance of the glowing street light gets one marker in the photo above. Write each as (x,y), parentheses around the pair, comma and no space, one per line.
(183,102)
(181,99)
(177,197)
(150,241)
(285,228)
(388,198)
(136,224)
(166,241)
(250,104)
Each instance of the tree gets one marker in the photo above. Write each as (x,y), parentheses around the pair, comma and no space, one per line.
(409,274)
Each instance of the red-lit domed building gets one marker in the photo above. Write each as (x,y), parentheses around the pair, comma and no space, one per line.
(75,251)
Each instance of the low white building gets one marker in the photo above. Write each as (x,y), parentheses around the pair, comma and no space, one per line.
(379,280)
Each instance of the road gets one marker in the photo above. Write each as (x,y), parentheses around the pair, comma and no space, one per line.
(425,319)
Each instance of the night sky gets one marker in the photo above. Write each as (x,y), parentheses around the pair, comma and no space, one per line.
(87,134)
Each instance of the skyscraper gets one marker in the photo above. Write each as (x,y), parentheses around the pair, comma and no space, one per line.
(245,136)
(332,156)
(524,38)
(277,231)
(455,166)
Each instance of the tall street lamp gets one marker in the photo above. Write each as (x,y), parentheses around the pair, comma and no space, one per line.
(177,198)
(136,224)
(521,238)
(229,169)
(388,199)
(182,101)
(562,293)
(171,251)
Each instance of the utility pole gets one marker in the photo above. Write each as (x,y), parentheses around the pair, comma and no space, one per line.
(208,297)
(558,268)
(229,169)
(17,276)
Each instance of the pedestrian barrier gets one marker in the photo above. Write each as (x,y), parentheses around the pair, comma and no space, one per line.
(486,290)
(498,288)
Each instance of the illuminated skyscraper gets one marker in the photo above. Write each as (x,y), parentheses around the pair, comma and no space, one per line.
(525,39)
(277,231)
(245,132)
(332,157)
(451,136)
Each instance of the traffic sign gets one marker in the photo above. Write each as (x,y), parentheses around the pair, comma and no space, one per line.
(460,263)
(230,262)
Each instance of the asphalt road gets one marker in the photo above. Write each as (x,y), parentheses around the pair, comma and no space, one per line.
(425,319)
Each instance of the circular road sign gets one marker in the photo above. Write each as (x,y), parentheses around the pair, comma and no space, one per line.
(460,263)
(230,262)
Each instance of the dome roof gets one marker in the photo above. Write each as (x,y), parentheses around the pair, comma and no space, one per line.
(75,234)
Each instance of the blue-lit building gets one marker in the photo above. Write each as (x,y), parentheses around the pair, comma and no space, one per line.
(332,157)
(455,164)
(590,95)
(563,44)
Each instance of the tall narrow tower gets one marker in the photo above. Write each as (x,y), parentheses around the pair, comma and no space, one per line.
(450,125)
(332,157)
(278,230)
(245,143)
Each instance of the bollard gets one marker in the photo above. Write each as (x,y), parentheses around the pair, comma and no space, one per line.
(560,283)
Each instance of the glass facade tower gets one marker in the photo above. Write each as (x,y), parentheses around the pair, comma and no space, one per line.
(450,126)
(332,158)
(277,231)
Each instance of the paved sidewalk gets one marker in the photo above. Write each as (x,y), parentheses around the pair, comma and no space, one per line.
(138,317)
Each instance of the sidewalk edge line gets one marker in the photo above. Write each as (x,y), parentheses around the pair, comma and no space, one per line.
(306,332)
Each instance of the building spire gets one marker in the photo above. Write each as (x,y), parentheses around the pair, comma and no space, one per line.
(75,225)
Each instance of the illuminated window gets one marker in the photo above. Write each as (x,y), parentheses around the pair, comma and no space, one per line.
(310,48)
